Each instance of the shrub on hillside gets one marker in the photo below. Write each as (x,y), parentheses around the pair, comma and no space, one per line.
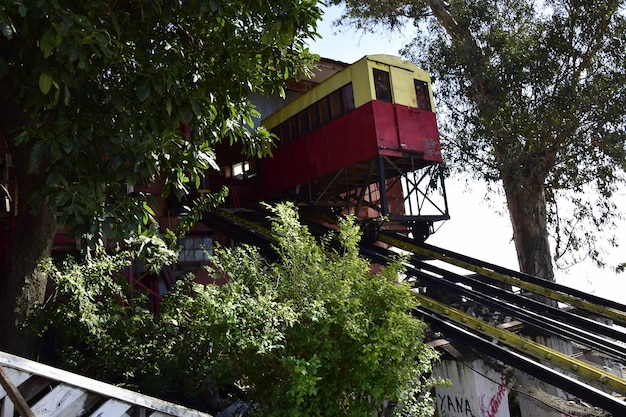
(314,333)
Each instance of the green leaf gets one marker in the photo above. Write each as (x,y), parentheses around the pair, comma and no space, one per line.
(55,151)
(47,43)
(62,199)
(195,107)
(45,82)
(55,179)
(75,53)
(58,39)
(7,29)
(66,95)
(22,137)
(147,208)
(185,113)
(144,91)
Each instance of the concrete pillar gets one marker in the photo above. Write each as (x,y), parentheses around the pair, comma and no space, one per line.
(476,390)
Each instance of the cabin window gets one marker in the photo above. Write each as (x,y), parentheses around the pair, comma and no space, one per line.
(240,168)
(422,95)
(314,117)
(303,123)
(382,85)
(324,111)
(335,104)
(348,98)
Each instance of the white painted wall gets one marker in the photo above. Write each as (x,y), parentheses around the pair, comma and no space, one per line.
(477,390)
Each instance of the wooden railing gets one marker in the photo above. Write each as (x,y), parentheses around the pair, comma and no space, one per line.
(32,389)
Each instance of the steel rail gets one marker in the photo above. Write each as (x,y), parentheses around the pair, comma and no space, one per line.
(601,306)
(241,229)
(580,389)
(580,324)
(584,330)
(493,298)
(522,344)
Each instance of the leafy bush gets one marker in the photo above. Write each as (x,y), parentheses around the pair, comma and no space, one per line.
(314,333)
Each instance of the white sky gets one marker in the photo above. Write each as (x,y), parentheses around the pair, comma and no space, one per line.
(477,228)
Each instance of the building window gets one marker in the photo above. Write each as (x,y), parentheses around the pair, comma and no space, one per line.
(195,249)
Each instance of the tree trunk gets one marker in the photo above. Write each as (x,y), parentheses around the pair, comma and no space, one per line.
(527,207)
(525,194)
(24,284)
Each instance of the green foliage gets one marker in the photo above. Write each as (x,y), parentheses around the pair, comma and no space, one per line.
(542,108)
(368,14)
(94,318)
(315,333)
(100,91)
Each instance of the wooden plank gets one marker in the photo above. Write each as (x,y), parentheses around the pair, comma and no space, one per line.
(112,408)
(35,385)
(98,387)
(60,398)
(16,397)
(81,405)
(16,377)
(7,409)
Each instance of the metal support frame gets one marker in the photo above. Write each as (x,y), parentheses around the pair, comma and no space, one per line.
(370,184)
(382,186)
(364,187)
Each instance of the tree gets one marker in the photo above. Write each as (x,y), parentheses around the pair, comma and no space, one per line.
(533,97)
(94,99)
(313,333)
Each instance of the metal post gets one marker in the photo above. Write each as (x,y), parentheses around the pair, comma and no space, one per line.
(382,184)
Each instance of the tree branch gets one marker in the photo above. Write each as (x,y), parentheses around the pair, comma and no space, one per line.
(440,10)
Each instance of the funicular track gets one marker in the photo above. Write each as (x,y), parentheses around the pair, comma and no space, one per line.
(494,273)
(594,385)
(483,287)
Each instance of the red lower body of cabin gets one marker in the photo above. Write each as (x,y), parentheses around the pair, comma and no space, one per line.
(374,129)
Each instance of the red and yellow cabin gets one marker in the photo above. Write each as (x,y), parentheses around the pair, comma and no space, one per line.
(349,140)
(380,105)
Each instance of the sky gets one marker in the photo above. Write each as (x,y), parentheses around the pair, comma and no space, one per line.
(477,228)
